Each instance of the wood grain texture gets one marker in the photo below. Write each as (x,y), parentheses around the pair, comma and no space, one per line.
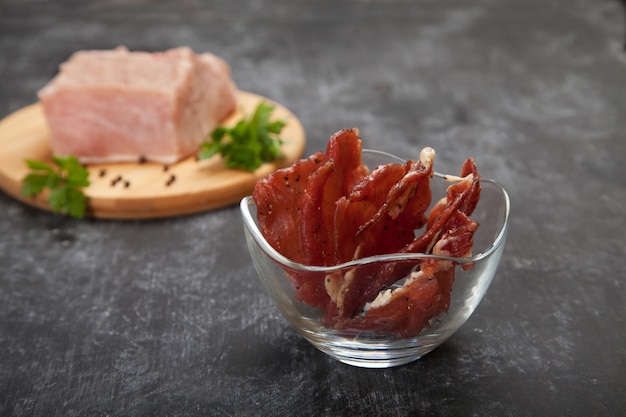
(143,190)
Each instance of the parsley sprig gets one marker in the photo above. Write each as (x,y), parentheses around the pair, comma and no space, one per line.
(253,141)
(65,182)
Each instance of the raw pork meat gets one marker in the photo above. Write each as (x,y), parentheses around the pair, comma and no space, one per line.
(116,105)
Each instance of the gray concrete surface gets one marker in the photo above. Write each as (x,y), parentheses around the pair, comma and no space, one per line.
(167,317)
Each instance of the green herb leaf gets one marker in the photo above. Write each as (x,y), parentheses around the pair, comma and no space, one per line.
(208,149)
(251,141)
(34,184)
(65,183)
(39,166)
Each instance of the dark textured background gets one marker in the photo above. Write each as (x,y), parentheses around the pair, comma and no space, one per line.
(167,317)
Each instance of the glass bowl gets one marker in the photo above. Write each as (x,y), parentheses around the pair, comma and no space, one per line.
(373,349)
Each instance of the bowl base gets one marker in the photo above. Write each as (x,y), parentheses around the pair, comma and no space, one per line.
(370,354)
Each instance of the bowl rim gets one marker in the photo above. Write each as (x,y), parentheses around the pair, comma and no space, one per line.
(252,226)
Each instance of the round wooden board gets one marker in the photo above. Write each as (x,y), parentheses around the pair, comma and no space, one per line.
(197,186)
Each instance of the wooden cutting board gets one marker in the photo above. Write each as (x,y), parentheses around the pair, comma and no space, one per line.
(144,190)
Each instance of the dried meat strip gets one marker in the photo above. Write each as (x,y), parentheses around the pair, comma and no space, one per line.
(297,209)
(377,222)
(278,198)
(329,209)
(341,169)
(407,310)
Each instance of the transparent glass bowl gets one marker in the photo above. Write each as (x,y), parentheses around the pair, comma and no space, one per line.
(369,349)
